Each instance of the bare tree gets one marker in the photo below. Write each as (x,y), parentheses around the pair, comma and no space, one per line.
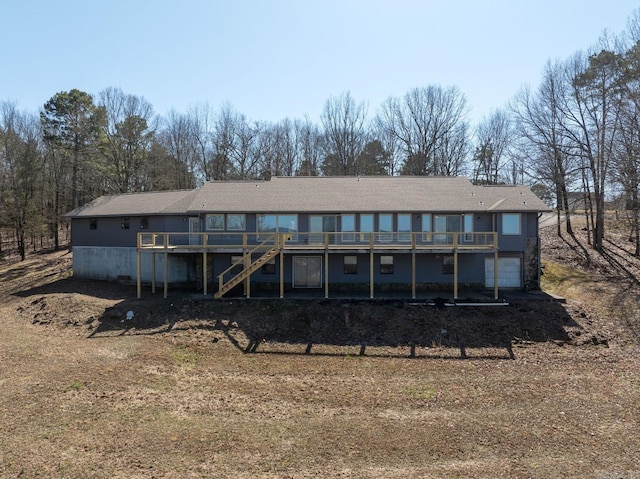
(627,155)
(540,125)
(176,148)
(22,163)
(384,133)
(345,134)
(309,142)
(277,149)
(495,137)
(126,139)
(595,117)
(426,122)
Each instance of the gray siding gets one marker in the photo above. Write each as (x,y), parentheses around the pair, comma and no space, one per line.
(112,263)
(109,231)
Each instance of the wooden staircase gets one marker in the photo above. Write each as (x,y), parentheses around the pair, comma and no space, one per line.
(224,288)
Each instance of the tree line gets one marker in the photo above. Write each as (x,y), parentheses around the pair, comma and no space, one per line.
(576,135)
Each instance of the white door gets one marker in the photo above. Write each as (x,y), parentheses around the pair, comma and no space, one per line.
(509,273)
(194,227)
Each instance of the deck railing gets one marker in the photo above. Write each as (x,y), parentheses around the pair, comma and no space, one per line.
(216,242)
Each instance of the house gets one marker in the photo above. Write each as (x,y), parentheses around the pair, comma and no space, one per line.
(365,235)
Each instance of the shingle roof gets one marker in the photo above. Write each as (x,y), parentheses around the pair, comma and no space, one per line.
(137,204)
(323,194)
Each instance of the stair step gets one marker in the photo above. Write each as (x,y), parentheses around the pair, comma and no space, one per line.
(226,287)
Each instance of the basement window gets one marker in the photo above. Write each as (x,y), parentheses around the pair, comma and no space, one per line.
(238,264)
(350,265)
(447,265)
(386,264)
(269,267)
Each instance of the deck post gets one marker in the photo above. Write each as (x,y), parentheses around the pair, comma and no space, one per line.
(153,272)
(455,266)
(281,274)
(247,282)
(166,274)
(326,272)
(455,273)
(138,283)
(495,275)
(413,266)
(371,273)
(204,272)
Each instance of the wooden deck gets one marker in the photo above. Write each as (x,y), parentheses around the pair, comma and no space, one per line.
(279,244)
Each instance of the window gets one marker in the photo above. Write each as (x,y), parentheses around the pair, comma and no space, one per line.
(511,224)
(288,224)
(269,267)
(215,222)
(267,224)
(449,224)
(386,264)
(236,223)
(468,228)
(320,225)
(350,264)
(385,227)
(125,223)
(404,228)
(270,224)
(366,226)
(93,224)
(426,227)
(238,264)
(447,265)
(144,223)
(348,227)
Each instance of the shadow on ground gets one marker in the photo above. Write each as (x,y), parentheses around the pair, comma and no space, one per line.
(259,326)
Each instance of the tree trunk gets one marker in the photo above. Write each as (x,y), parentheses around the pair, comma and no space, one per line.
(636,221)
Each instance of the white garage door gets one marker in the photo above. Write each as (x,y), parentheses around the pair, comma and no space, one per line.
(509,273)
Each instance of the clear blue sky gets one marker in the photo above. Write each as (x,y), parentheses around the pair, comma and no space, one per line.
(285,58)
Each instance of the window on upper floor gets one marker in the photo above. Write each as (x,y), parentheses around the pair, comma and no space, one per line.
(215,222)
(452,224)
(93,224)
(366,226)
(318,225)
(426,227)
(511,224)
(236,222)
(404,227)
(269,224)
(348,227)
(125,222)
(385,227)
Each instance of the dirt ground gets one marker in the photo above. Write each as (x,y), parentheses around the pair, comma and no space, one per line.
(192,388)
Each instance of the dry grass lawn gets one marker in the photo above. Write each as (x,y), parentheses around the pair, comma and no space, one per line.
(83,396)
